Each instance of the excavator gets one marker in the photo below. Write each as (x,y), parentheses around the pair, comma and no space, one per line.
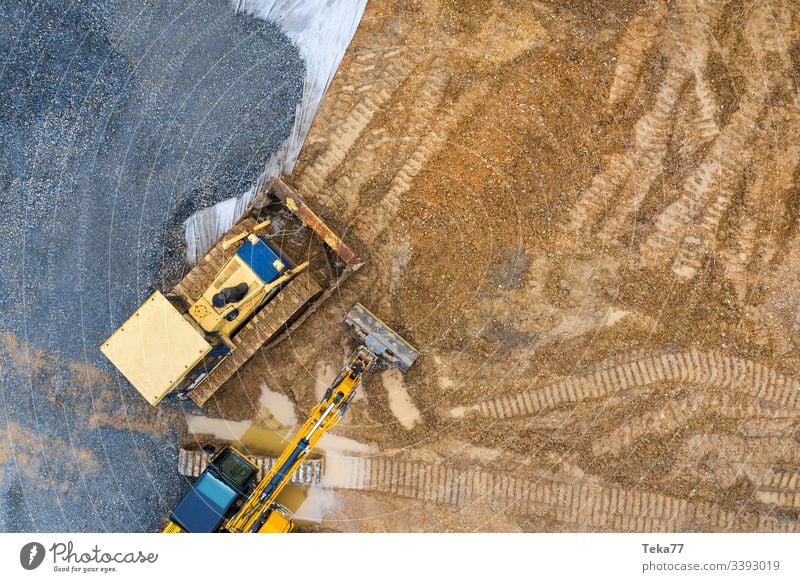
(228,497)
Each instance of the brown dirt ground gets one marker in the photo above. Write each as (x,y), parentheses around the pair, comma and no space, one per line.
(545,190)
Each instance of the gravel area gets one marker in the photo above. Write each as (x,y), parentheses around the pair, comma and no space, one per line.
(118,119)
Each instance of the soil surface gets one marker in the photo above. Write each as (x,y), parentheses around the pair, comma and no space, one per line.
(585,217)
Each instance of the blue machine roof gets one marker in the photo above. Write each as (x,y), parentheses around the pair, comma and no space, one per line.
(261,257)
(204,506)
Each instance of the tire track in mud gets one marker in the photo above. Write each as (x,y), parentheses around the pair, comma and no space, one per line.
(680,411)
(381,215)
(639,39)
(748,255)
(685,231)
(336,177)
(688,227)
(362,149)
(706,368)
(617,193)
(743,250)
(651,139)
(707,194)
(572,505)
(652,132)
(770,464)
(426,92)
(352,122)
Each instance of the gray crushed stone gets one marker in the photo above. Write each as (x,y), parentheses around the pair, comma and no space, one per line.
(118,119)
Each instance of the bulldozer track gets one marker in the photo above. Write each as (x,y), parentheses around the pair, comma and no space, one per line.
(773,486)
(191,463)
(705,368)
(780,498)
(641,172)
(263,327)
(742,252)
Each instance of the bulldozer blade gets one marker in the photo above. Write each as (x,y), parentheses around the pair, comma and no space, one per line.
(379,338)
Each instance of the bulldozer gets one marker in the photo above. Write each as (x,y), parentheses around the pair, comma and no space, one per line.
(271,271)
(228,496)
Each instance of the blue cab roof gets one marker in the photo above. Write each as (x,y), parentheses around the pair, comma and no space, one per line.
(203,508)
(261,258)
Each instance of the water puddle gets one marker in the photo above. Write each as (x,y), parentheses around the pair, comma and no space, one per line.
(614,315)
(400,402)
(264,440)
(227,430)
(458,412)
(317,504)
(278,405)
(444,381)
(335,444)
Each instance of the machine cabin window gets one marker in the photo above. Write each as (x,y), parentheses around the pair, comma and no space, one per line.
(239,471)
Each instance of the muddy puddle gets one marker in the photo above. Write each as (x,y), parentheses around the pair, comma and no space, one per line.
(400,402)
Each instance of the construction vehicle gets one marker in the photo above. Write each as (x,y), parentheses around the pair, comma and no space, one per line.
(227,497)
(254,286)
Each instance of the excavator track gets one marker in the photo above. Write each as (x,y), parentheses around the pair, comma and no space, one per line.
(191,463)
(601,507)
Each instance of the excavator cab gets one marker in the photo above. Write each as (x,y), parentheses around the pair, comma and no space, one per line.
(217,493)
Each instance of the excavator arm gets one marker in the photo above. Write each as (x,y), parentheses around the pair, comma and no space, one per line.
(223,498)
(254,515)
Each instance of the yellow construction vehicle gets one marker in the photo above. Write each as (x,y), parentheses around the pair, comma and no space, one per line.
(273,270)
(227,497)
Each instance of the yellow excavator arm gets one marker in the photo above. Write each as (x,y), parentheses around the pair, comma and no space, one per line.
(255,515)
(223,499)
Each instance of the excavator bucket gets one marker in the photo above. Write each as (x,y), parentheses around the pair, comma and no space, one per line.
(379,338)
